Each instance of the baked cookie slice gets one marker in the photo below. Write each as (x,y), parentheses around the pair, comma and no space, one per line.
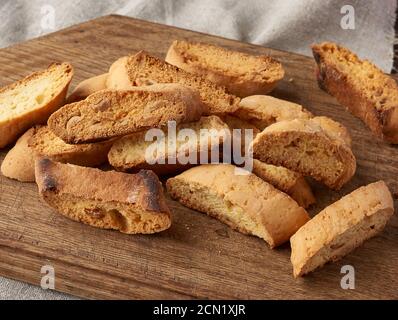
(112,113)
(306,147)
(360,86)
(341,227)
(46,144)
(88,87)
(288,181)
(262,111)
(32,100)
(130,203)
(143,69)
(240,73)
(245,202)
(193,141)
(19,163)
(334,129)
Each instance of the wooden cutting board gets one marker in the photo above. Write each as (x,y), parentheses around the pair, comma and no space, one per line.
(198,257)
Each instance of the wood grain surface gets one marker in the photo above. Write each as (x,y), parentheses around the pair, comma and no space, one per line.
(198,257)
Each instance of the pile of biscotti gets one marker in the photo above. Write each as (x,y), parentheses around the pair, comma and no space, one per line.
(60,139)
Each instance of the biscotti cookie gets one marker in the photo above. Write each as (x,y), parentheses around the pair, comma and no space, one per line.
(130,203)
(46,144)
(143,69)
(133,152)
(244,202)
(334,129)
(341,227)
(87,87)
(305,147)
(240,73)
(31,100)
(360,86)
(110,113)
(19,163)
(118,78)
(262,111)
(244,136)
(288,181)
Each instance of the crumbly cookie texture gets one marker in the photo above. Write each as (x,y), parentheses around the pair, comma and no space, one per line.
(246,203)
(341,227)
(360,86)
(130,203)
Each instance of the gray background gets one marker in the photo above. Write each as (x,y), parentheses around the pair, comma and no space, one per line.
(290,25)
(285,24)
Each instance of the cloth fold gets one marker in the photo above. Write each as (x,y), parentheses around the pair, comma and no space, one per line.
(290,25)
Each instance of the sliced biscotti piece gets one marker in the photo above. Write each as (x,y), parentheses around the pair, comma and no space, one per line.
(39,141)
(288,181)
(305,147)
(88,87)
(118,78)
(19,163)
(334,129)
(360,86)
(46,144)
(262,111)
(244,202)
(240,73)
(143,69)
(31,100)
(112,113)
(133,152)
(341,227)
(130,203)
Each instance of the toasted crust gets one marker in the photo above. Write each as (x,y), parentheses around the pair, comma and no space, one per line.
(35,107)
(334,129)
(305,147)
(46,144)
(288,181)
(88,87)
(262,111)
(105,199)
(143,69)
(341,227)
(19,162)
(359,86)
(240,73)
(129,152)
(107,114)
(244,202)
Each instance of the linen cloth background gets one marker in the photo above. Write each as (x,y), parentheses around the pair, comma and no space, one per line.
(290,25)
